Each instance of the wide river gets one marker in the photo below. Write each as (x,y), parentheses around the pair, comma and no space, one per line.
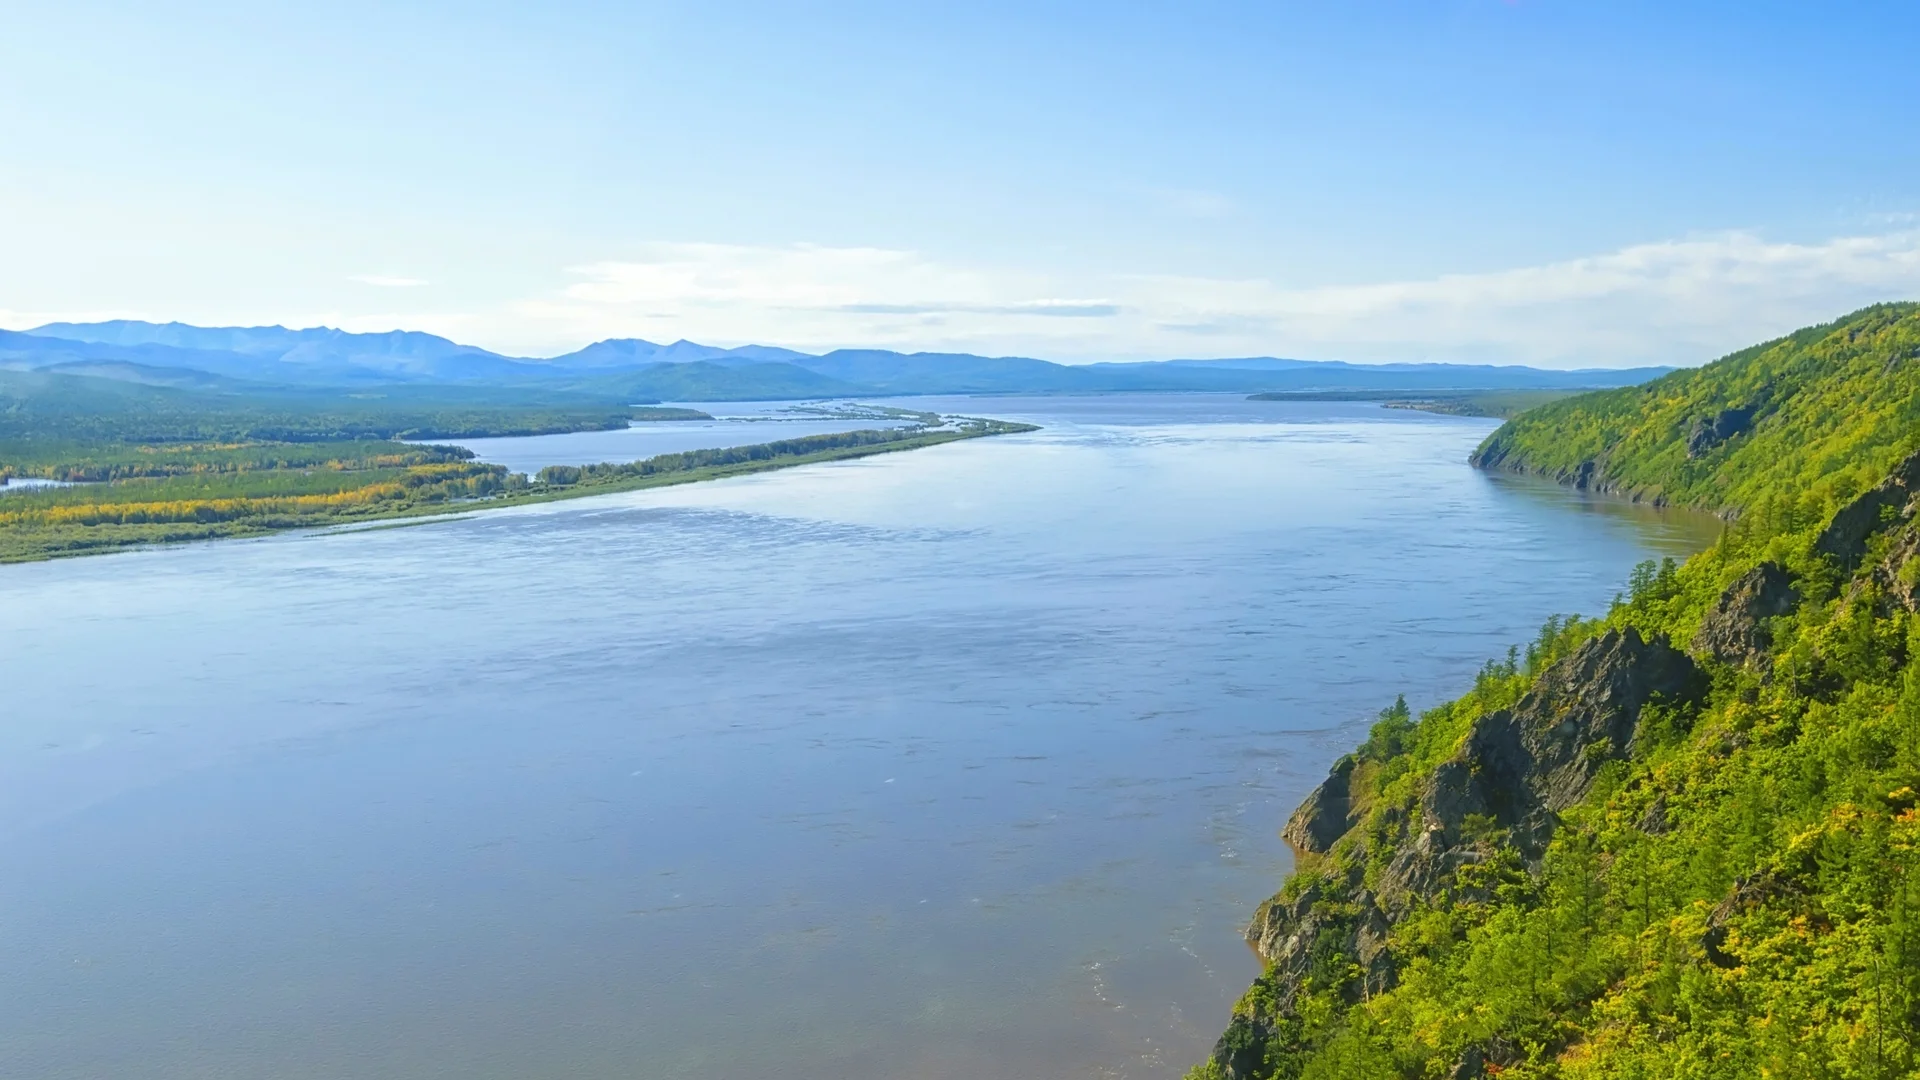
(957,763)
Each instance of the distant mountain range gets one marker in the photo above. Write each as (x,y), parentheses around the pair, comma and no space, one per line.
(263,358)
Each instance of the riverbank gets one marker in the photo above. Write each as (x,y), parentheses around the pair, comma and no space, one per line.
(1675,840)
(94,519)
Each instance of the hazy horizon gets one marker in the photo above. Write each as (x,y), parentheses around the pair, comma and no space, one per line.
(1069,362)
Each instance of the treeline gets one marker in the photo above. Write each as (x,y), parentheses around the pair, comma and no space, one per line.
(690,460)
(247,497)
(264,423)
(82,463)
(37,407)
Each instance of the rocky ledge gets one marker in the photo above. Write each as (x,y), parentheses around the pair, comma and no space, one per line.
(1365,867)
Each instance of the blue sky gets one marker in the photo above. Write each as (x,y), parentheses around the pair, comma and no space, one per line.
(1552,183)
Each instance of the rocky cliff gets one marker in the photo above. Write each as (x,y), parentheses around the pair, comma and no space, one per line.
(1682,840)
(1372,862)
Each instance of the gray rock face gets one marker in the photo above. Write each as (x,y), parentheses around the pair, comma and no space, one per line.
(1326,815)
(1514,772)
(1520,768)
(1845,538)
(1709,432)
(1896,576)
(1735,631)
(1656,821)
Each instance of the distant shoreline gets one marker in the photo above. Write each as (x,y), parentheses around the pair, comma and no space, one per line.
(1495,404)
(756,458)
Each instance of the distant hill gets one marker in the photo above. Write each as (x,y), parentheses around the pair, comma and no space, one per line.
(948,373)
(1281,375)
(1824,409)
(705,380)
(633,352)
(178,354)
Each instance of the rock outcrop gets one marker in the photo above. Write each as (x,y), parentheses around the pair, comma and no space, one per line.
(1735,630)
(1327,814)
(1709,432)
(1847,536)
(1898,575)
(1514,772)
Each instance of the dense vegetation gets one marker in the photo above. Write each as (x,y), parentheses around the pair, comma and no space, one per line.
(81,462)
(663,412)
(690,460)
(38,407)
(1679,840)
(1808,417)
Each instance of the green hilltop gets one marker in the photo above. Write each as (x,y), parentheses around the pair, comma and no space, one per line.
(1678,840)
(1810,416)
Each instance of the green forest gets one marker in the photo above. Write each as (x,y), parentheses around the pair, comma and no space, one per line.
(39,408)
(1676,840)
(1804,418)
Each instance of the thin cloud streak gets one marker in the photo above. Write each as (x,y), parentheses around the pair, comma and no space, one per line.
(1682,301)
(1676,302)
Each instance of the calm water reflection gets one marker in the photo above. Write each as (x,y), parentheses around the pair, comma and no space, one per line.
(964,762)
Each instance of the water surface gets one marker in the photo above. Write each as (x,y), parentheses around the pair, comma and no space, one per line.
(960,762)
(734,423)
(12,484)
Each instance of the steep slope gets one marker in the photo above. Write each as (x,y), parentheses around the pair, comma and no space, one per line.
(1820,411)
(1676,841)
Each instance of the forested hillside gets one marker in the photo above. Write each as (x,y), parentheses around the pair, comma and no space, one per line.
(1678,840)
(1814,414)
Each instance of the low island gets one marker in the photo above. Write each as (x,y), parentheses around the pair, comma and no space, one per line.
(112,465)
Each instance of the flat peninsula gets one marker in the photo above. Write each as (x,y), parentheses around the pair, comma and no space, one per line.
(129,495)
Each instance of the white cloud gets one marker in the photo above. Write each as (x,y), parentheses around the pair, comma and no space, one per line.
(385,281)
(1681,301)
(1673,302)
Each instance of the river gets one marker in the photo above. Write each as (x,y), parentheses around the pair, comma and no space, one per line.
(954,763)
(733,423)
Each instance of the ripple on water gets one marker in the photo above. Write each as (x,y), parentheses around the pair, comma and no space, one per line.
(954,763)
